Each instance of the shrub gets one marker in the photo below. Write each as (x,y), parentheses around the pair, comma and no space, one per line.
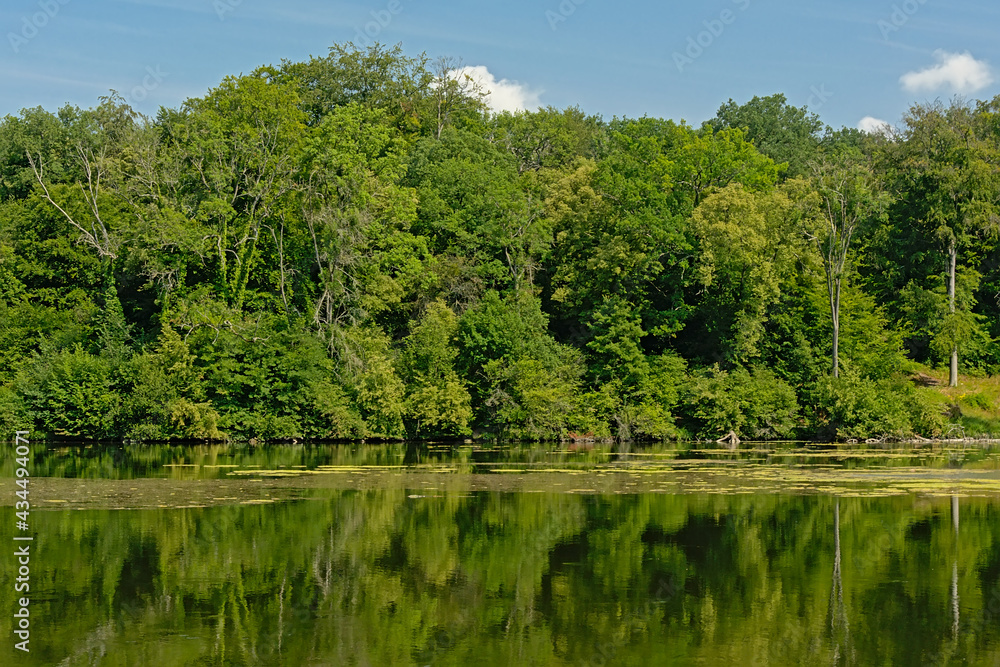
(527,399)
(926,415)
(755,405)
(196,421)
(12,413)
(73,394)
(374,387)
(852,407)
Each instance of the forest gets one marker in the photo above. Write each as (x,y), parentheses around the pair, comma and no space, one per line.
(356,248)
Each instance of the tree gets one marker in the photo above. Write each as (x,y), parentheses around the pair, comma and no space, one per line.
(619,230)
(454,94)
(947,180)
(749,242)
(95,167)
(473,203)
(376,77)
(848,195)
(709,160)
(437,401)
(546,138)
(48,139)
(788,135)
(237,147)
(97,140)
(363,258)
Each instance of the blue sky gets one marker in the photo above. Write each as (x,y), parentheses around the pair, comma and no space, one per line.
(845,60)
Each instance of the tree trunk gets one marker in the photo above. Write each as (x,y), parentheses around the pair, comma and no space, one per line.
(835,311)
(952,258)
(730,440)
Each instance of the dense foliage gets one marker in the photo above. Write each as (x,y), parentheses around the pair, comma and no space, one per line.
(355,247)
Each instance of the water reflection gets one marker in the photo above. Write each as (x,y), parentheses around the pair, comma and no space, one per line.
(840,625)
(393,577)
(215,461)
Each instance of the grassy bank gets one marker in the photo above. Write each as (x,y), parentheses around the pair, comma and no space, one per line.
(974,405)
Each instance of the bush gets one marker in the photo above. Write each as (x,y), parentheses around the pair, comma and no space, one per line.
(437,402)
(375,390)
(12,414)
(926,415)
(196,421)
(649,412)
(278,385)
(594,411)
(755,405)
(523,383)
(528,400)
(333,416)
(73,394)
(851,407)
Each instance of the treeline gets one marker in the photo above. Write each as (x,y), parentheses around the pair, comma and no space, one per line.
(355,247)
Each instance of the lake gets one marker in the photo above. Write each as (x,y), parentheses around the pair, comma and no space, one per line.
(451,554)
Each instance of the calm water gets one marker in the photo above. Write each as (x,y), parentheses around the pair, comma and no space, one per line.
(404,555)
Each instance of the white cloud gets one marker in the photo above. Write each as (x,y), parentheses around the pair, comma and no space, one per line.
(955,72)
(502,95)
(873,125)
